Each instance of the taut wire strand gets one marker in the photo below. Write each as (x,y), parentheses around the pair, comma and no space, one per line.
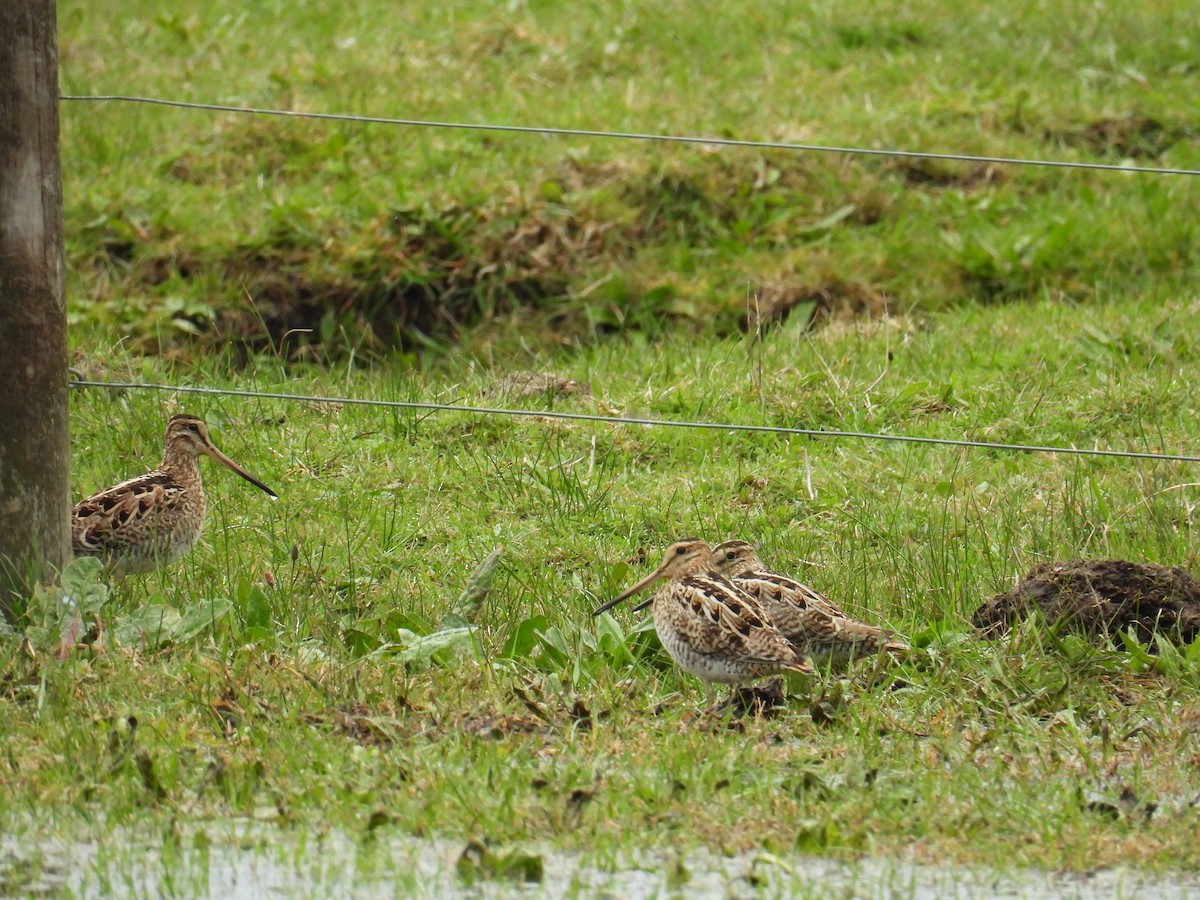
(633,135)
(637,420)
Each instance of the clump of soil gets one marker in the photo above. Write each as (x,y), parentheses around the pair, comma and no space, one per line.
(1106,596)
(757,701)
(1133,136)
(412,271)
(830,299)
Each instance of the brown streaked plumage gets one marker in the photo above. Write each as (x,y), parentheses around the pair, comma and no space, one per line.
(157,517)
(816,627)
(708,626)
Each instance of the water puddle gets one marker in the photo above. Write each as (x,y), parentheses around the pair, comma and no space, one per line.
(253,861)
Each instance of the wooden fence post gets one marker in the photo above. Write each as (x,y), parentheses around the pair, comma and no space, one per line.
(34,448)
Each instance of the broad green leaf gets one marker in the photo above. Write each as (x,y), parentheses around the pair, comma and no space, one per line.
(360,642)
(413,647)
(150,627)
(256,610)
(81,583)
(524,638)
(200,617)
(397,621)
(555,645)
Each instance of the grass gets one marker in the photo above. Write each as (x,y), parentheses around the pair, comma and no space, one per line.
(552,730)
(361,238)
(1026,306)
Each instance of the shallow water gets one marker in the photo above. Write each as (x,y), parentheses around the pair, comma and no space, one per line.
(252,861)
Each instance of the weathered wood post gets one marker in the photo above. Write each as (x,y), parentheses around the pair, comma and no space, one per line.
(34,478)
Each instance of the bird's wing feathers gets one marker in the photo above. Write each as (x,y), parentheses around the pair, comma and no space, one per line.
(798,593)
(98,520)
(808,617)
(723,619)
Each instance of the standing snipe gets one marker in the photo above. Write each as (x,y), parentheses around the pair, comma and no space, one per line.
(708,626)
(157,517)
(816,627)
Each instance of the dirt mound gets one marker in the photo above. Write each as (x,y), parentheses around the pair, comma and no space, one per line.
(1132,135)
(830,299)
(1105,596)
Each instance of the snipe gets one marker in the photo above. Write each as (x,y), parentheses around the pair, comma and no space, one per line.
(708,626)
(157,517)
(816,627)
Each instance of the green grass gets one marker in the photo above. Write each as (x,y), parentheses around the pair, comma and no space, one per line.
(367,236)
(1026,306)
(557,731)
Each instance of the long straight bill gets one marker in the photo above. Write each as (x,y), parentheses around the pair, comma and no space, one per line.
(649,579)
(230,464)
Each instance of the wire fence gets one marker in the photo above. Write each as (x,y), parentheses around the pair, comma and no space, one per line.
(634,136)
(620,421)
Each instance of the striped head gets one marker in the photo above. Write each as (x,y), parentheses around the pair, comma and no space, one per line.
(187,439)
(736,558)
(682,558)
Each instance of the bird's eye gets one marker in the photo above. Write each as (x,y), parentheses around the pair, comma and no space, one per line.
(193,428)
(679,551)
(729,554)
